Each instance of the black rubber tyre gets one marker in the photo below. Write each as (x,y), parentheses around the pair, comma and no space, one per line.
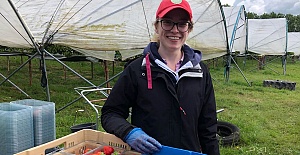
(228,134)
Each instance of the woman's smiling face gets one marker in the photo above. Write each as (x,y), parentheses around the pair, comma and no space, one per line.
(173,39)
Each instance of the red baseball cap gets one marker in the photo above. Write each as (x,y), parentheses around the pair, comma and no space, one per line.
(168,5)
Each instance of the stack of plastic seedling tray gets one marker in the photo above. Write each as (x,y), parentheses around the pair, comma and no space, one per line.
(16,128)
(43,119)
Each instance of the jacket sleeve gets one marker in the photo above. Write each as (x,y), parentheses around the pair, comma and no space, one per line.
(207,128)
(115,111)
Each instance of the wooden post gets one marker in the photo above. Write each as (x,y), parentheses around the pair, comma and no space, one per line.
(113,73)
(30,73)
(8,67)
(261,62)
(106,71)
(92,69)
(65,72)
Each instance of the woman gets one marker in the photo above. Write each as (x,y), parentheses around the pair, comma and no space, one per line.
(169,90)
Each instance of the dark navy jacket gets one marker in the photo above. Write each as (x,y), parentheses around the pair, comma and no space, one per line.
(179,110)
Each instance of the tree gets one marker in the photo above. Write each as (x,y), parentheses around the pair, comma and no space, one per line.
(252,15)
(226,5)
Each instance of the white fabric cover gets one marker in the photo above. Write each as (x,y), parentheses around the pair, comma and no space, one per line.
(97,26)
(12,32)
(236,28)
(267,36)
(294,42)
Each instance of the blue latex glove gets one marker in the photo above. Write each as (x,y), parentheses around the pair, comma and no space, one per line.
(142,142)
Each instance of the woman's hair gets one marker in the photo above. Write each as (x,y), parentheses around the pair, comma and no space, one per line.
(155,37)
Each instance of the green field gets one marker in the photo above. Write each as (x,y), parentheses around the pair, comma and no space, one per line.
(268,118)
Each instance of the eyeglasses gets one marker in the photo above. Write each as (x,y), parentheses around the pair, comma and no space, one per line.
(168,25)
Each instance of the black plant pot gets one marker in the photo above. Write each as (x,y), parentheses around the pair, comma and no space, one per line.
(79,127)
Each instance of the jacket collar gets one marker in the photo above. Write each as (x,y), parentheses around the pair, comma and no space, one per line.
(190,55)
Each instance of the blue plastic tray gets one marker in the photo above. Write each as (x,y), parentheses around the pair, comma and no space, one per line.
(167,150)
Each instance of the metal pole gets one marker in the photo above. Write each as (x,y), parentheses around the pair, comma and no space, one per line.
(34,43)
(15,85)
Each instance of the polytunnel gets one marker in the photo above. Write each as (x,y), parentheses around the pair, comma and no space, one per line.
(236,26)
(268,37)
(294,43)
(98,28)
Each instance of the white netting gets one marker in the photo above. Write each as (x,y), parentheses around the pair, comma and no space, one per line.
(294,42)
(98,26)
(267,36)
(236,28)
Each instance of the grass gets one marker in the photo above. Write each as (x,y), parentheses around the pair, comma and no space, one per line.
(268,118)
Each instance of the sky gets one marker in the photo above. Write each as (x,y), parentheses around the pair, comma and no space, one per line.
(267,6)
